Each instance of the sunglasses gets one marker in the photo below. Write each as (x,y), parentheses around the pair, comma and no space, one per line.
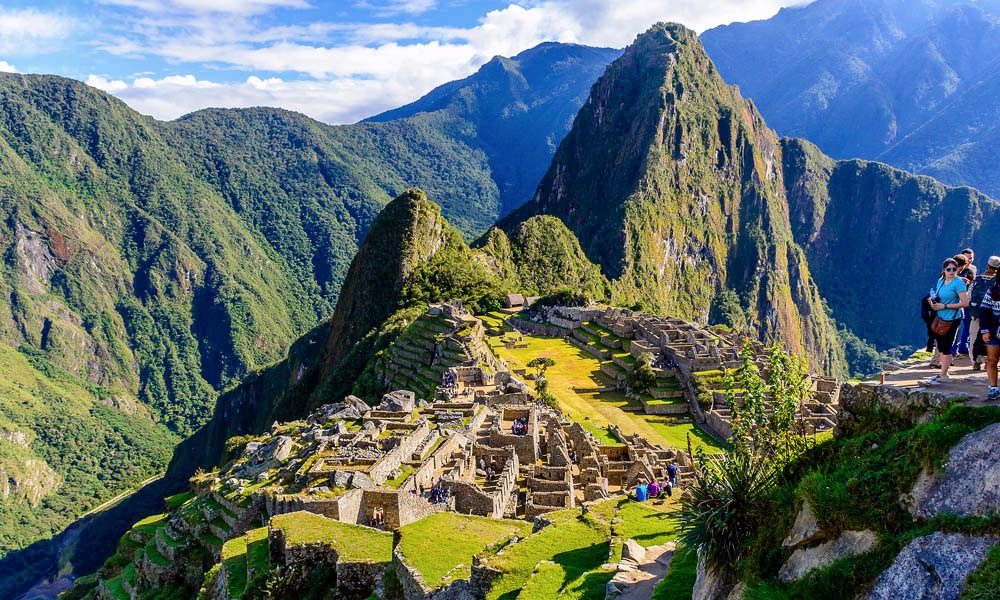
(950,269)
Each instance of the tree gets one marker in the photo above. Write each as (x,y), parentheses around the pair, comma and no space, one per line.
(766,413)
(726,504)
(541,364)
(642,377)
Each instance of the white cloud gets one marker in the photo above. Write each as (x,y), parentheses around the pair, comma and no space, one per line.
(239,7)
(6,67)
(337,101)
(388,8)
(353,70)
(102,83)
(27,31)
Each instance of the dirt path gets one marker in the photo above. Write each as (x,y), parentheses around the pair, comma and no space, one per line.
(640,583)
(965,381)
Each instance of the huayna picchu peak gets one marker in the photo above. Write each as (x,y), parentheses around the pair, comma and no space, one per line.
(674,184)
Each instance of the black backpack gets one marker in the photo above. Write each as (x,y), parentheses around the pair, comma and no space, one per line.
(980,287)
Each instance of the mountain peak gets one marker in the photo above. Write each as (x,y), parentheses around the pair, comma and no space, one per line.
(673,183)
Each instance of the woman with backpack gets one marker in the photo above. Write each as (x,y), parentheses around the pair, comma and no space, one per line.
(949,297)
(989,322)
(980,286)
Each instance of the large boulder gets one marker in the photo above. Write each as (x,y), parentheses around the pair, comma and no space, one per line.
(357,404)
(805,530)
(398,401)
(803,560)
(970,483)
(264,457)
(934,567)
(633,551)
(714,584)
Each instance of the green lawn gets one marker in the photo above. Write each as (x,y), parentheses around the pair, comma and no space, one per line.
(435,546)
(404,472)
(577,544)
(352,542)
(576,368)
(553,580)
(648,523)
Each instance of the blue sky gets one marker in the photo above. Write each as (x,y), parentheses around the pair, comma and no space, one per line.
(337,61)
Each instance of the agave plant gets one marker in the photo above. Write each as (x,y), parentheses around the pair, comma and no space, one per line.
(722,508)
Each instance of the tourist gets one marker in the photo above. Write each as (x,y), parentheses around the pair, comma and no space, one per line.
(672,473)
(950,297)
(641,492)
(653,489)
(989,322)
(668,488)
(980,286)
(967,271)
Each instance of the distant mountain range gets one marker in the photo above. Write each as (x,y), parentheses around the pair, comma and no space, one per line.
(914,83)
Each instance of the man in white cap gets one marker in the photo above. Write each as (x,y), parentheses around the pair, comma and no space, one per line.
(980,286)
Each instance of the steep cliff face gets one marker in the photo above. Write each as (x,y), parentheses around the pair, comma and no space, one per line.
(867,222)
(674,185)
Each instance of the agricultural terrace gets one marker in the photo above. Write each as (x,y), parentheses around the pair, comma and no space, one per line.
(577,370)
(443,559)
(565,559)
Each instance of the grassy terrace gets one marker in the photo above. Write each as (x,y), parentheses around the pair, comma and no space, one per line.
(149,525)
(352,542)
(434,557)
(578,545)
(257,549)
(576,368)
(234,561)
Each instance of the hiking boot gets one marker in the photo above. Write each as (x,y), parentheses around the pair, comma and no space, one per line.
(977,366)
(993,394)
(937,380)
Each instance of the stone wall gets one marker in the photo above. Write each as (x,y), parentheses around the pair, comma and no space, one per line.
(383,467)
(525,445)
(470,499)
(441,455)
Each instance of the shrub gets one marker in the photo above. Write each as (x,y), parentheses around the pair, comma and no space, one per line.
(723,507)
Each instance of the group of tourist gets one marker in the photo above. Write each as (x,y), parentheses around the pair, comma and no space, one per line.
(962,312)
(519,426)
(644,491)
(438,494)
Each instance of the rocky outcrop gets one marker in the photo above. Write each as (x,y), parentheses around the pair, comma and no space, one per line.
(970,483)
(804,560)
(934,566)
(712,583)
(805,530)
(916,404)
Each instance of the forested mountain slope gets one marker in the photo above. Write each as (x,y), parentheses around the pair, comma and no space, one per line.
(906,82)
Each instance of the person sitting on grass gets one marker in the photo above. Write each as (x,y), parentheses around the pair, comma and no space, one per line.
(641,493)
(653,489)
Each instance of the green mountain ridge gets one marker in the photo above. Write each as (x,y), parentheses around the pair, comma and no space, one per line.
(675,182)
